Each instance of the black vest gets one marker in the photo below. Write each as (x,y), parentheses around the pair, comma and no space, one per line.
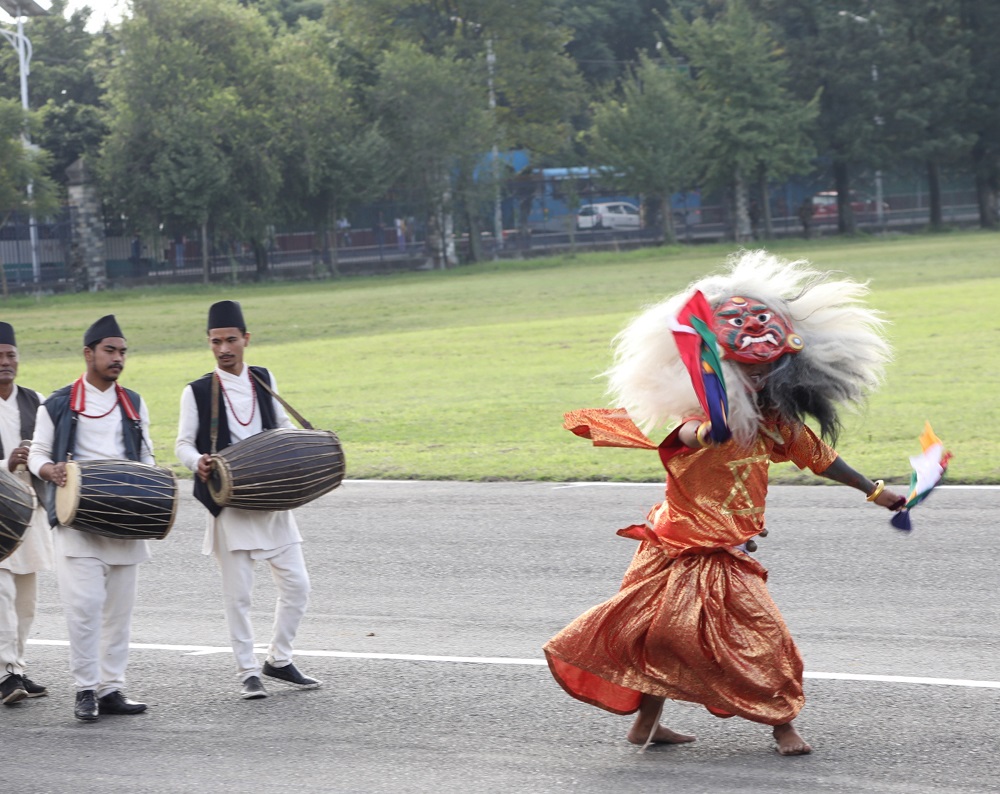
(202,390)
(64,424)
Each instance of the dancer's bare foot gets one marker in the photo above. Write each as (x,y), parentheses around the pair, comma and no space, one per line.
(789,741)
(663,735)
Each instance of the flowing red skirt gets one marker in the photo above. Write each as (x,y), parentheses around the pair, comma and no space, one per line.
(701,628)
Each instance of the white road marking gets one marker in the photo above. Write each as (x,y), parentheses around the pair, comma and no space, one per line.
(205,650)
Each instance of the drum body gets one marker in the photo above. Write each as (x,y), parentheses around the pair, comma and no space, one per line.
(118,499)
(16,507)
(277,469)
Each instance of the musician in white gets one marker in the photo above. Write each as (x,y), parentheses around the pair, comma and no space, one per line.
(18,572)
(95,418)
(239,538)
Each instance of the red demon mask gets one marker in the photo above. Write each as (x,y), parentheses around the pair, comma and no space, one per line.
(750,332)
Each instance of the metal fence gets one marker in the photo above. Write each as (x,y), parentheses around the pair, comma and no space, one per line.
(303,255)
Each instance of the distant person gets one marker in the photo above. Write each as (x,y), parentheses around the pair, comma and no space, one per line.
(401,235)
(344,228)
(806,212)
(136,251)
(94,418)
(754,213)
(18,573)
(238,538)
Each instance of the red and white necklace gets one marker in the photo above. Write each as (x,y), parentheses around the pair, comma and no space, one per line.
(229,402)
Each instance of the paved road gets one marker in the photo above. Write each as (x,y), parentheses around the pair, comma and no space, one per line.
(430,603)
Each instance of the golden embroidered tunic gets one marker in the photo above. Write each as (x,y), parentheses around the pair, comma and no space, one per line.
(693,619)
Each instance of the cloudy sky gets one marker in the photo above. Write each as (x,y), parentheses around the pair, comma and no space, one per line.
(102,9)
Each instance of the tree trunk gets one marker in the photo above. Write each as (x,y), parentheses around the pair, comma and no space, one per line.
(667,213)
(475,241)
(846,224)
(934,195)
(205,267)
(741,218)
(450,256)
(330,242)
(765,203)
(987,188)
(986,196)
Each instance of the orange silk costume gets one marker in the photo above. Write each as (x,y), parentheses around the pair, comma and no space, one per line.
(693,619)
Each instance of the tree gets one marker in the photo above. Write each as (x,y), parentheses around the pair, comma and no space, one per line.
(20,165)
(330,155)
(514,54)
(438,128)
(648,138)
(981,18)
(190,112)
(749,122)
(833,48)
(928,75)
(62,86)
(24,182)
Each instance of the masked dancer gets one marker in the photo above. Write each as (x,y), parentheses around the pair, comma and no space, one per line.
(693,619)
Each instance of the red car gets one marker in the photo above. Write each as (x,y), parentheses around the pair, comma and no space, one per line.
(825,204)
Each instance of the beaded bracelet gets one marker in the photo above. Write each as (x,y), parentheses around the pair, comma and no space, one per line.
(879,487)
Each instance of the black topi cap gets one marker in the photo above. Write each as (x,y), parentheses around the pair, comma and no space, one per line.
(7,335)
(102,329)
(226,314)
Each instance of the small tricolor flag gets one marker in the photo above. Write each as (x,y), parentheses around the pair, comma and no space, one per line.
(928,470)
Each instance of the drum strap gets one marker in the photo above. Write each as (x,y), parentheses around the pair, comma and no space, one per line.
(214,425)
(298,417)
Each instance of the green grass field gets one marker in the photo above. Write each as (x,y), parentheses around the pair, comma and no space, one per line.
(465,374)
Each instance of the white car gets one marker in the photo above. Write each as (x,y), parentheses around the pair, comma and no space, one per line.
(612,215)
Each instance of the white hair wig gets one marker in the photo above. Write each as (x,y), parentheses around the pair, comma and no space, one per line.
(843,359)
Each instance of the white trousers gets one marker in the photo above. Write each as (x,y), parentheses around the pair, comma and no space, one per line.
(288,570)
(18,597)
(97,600)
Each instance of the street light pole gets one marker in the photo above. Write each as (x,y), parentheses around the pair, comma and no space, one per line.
(20,9)
(878,118)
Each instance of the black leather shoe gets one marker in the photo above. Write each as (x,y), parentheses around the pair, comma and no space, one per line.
(290,675)
(253,689)
(116,703)
(12,690)
(34,690)
(86,705)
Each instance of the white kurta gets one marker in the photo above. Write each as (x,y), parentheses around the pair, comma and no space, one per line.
(99,436)
(35,552)
(18,580)
(249,530)
(98,576)
(239,538)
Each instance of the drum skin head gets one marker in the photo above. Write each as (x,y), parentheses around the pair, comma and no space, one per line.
(68,497)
